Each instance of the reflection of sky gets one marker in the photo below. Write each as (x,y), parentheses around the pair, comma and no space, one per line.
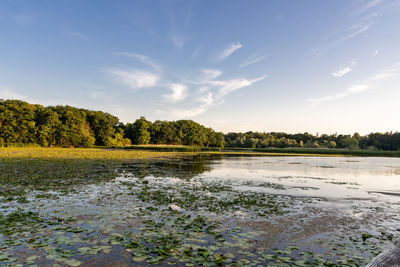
(328,177)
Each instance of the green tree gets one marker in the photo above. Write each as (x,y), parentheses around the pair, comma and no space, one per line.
(75,130)
(331,144)
(103,126)
(350,142)
(17,121)
(138,132)
(47,122)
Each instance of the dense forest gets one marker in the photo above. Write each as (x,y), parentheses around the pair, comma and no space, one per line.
(66,126)
(22,123)
(373,141)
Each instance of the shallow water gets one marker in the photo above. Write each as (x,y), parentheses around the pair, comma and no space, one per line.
(210,210)
(332,178)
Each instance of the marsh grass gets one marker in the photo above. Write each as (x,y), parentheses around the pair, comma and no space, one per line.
(78,153)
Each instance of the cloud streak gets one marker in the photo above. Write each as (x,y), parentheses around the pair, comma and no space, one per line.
(344,70)
(134,78)
(368,6)
(143,59)
(228,86)
(211,74)
(210,92)
(354,31)
(228,51)
(251,60)
(372,82)
(178,93)
(204,103)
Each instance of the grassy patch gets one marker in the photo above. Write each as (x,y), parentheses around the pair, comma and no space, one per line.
(77,153)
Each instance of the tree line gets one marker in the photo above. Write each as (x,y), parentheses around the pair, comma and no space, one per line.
(22,123)
(372,141)
(66,126)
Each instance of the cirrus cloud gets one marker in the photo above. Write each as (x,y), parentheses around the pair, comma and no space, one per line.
(228,51)
(134,78)
(370,83)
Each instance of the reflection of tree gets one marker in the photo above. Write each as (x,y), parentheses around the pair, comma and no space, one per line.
(62,174)
(184,168)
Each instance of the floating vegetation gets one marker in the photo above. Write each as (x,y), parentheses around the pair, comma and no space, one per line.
(73,212)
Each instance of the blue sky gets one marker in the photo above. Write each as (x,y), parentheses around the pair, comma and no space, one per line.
(293,66)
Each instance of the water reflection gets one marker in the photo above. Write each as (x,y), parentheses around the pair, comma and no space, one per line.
(326,177)
(183,168)
(102,211)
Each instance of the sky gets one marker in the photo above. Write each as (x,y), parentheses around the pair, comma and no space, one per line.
(292,66)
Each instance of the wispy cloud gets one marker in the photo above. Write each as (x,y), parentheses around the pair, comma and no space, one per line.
(344,69)
(177,40)
(178,93)
(361,18)
(229,86)
(349,91)
(252,59)
(351,32)
(199,93)
(204,102)
(134,78)
(211,74)
(211,92)
(370,83)
(368,6)
(77,35)
(142,58)
(228,51)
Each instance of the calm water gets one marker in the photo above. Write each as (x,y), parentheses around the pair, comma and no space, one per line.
(332,178)
(218,210)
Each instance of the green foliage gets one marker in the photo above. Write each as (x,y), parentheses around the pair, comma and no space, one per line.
(24,124)
(185,132)
(373,141)
(75,130)
(103,126)
(331,144)
(17,121)
(381,141)
(350,142)
(311,144)
(138,132)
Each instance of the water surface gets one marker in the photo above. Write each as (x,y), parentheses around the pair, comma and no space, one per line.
(207,210)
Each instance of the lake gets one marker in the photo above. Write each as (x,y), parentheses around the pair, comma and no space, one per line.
(206,210)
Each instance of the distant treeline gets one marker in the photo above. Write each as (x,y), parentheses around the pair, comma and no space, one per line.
(22,124)
(373,141)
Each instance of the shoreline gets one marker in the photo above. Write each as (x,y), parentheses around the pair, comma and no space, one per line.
(157,152)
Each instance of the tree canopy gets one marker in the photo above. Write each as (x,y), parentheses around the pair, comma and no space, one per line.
(66,126)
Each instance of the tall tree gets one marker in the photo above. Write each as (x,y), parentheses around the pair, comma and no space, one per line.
(138,132)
